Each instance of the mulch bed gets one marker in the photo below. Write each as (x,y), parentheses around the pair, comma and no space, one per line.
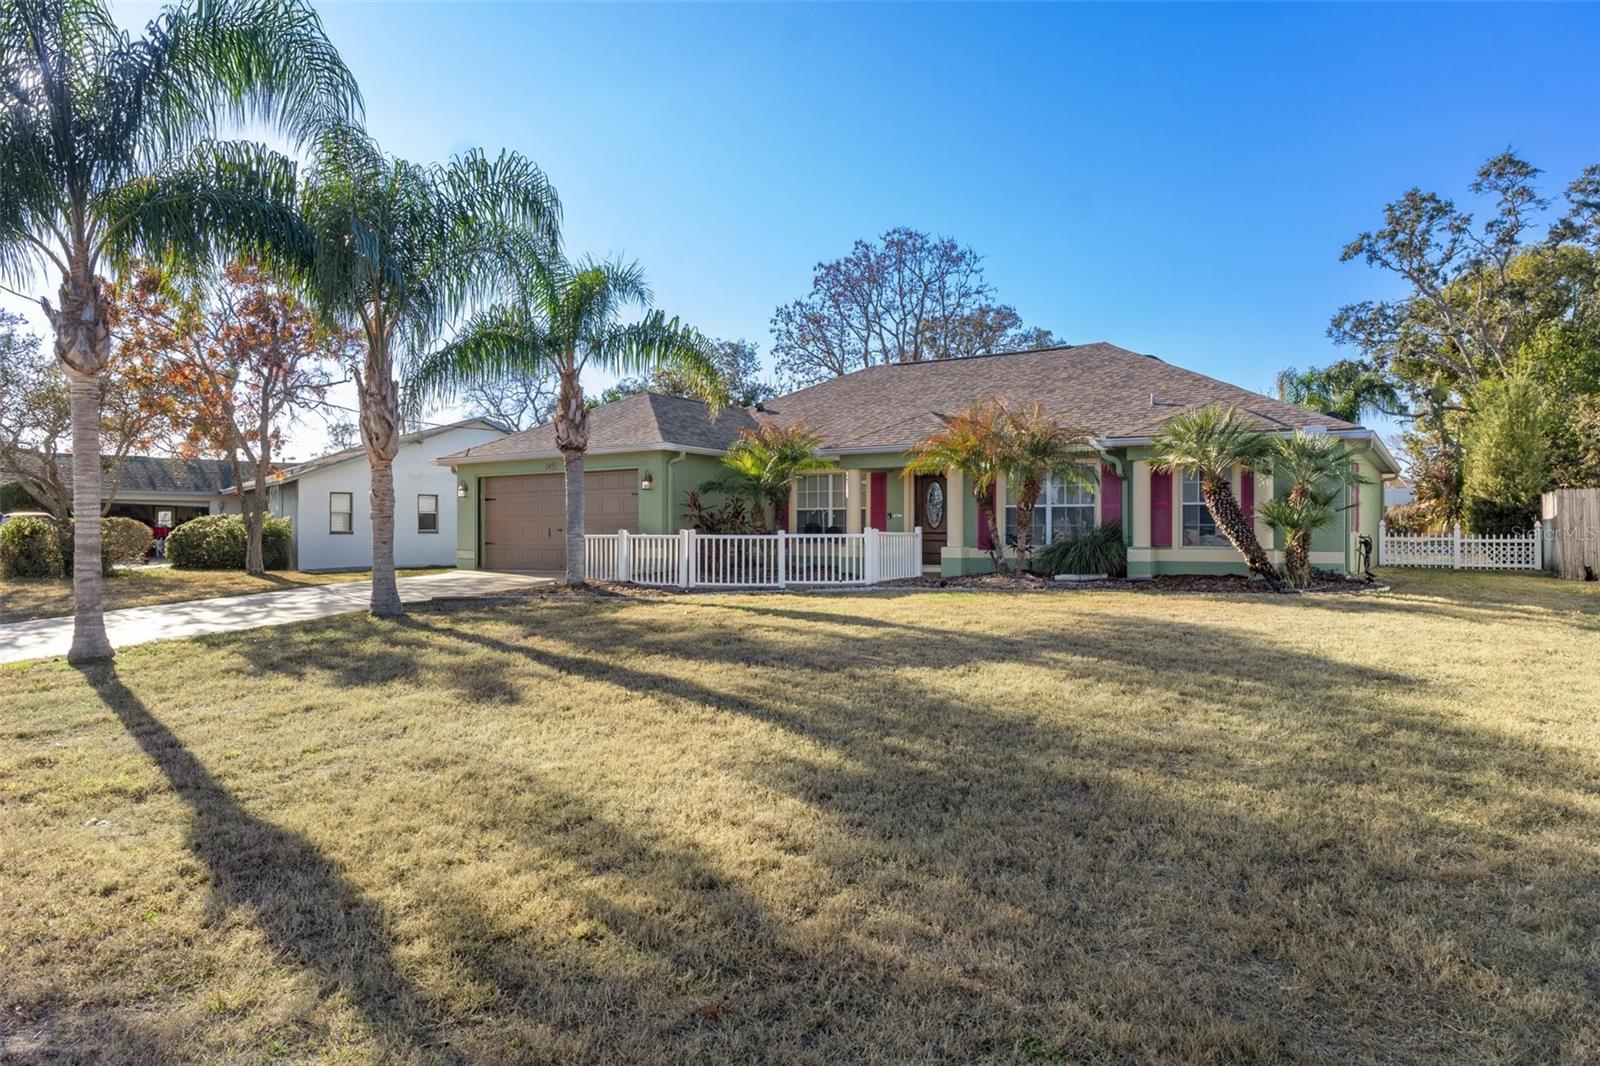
(1322,583)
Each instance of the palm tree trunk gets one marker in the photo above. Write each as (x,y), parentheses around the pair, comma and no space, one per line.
(89,640)
(380,432)
(1297,552)
(1231,522)
(572,437)
(574,535)
(385,593)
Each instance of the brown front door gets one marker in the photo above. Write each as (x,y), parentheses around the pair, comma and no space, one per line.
(524,516)
(932,514)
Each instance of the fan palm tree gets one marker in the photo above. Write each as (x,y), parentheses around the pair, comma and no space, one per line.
(567,318)
(1316,468)
(763,462)
(973,444)
(1209,442)
(106,153)
(398,252)
(1035,446)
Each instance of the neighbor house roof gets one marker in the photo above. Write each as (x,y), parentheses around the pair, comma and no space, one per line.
(1116,395)
(645,421)
(156,475)
(344,455)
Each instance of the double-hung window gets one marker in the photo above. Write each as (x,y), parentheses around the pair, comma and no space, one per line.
(341,512)
(819,503)
(1065,509)
(427,512)
(1199,527)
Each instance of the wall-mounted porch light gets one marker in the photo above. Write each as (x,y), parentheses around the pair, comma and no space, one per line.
(461,490)
(647,482)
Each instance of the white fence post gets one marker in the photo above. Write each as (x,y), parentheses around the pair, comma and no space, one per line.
(916,550)
(1383,546)
(624,557)
(1538,545)
(783,558)
(685,546)
(870,557)
(1455,546)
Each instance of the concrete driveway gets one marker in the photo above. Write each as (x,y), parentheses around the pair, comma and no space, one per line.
(46,638)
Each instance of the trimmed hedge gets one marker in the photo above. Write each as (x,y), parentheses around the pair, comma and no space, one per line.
(218,542)
(122,540)
(30,547)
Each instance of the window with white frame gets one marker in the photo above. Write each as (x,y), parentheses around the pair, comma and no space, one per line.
(427,512)
(1065,509)
(341,512)
(1199,526)
(819,503)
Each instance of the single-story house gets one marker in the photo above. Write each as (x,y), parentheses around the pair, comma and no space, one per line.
(163,492)
(648,450)
(329,500)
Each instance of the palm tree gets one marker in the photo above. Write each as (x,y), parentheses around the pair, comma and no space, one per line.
(1209,442)
(1348,389)
(567,319)
(1316,468)
(399,251)
(763,462)
(106,153)
(1036,446)
(972,443)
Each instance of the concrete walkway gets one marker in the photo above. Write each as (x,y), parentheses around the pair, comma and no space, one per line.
(47,638)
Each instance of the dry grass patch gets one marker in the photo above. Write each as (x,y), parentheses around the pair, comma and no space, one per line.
(143,586)
(906,827)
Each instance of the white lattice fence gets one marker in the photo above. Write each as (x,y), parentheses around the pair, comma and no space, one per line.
(1514,551)
(688,559)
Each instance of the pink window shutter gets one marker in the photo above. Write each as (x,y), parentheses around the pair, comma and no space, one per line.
(1161,509)
(1247,494)
(1110,495)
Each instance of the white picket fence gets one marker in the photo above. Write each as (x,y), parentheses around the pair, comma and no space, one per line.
(1514,551)
(687,559)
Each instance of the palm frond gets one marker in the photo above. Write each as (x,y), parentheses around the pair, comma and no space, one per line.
(1209,442)
(491,344)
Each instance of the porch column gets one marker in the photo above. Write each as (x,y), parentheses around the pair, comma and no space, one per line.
(854,500)
(908,497)
(1140,518)
(955,506)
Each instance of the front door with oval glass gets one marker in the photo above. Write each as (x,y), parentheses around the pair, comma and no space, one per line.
(932,509)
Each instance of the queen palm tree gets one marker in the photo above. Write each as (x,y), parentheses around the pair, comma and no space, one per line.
(106,152)
(1209,442)
(763,462)
(1316,468)
(972,443)
(1035,446)
(567,318)
(398,252)
(1348,389)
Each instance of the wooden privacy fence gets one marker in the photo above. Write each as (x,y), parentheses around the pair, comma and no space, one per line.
(1572,519)
(687,559)
(1514,551)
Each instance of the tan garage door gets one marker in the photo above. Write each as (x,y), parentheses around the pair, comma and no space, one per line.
(524,517)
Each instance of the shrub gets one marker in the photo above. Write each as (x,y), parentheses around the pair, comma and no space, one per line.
(1496,518)
(29,547)
(121,540)
(727,517)
(1095,551)
(1410,519)
(217,542)
(13,497)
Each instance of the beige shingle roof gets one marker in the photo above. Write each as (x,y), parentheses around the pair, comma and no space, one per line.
(1100,387)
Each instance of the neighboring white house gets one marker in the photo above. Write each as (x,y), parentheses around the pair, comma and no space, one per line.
(329,501)
(1398,492)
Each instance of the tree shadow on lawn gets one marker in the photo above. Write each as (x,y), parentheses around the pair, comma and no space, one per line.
(1187,838)
(299,900)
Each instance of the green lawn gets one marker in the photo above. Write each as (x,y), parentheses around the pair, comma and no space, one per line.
(909,827)
(142,586)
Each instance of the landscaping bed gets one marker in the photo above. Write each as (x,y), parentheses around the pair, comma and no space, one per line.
(1322,581)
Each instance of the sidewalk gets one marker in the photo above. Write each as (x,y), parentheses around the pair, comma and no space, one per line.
(47,638)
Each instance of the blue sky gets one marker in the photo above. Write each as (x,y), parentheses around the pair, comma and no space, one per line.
(1175,179)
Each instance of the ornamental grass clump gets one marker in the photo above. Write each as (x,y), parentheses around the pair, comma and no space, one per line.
(1092,551)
